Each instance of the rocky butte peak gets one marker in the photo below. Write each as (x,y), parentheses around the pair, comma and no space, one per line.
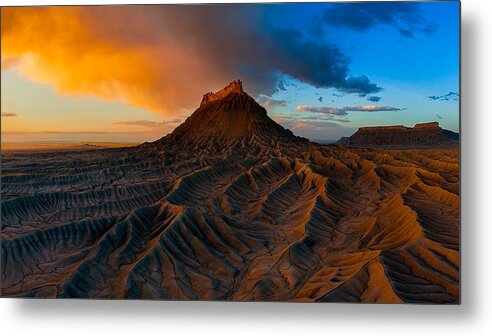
(228,116)
(233,87)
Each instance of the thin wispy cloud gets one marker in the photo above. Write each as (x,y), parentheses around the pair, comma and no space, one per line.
(321,109)
(131,135)
(65,132)
(344,110)
(451,96)
(147,123)
(269,102)
(163,127)
(9,114)
(313,128)
(372,108)
(325,117)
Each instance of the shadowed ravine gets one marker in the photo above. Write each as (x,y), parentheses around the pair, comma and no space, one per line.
(249,212)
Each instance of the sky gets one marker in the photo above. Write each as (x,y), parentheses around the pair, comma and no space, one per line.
(134,73)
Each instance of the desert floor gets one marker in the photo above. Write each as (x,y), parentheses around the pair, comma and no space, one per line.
(312,223)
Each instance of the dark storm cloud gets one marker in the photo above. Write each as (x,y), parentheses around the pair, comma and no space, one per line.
(451,96)
(374,98)
(281,86)
(232,40)
(360,84)
(405,17)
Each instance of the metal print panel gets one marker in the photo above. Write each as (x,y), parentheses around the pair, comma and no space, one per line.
(243,152)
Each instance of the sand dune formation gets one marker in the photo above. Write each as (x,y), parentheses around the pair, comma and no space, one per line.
(232,206)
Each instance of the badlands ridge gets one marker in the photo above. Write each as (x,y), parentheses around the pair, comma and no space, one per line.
(232,206)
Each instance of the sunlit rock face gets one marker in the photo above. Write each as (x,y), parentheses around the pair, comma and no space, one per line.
(233,87)
(231,206)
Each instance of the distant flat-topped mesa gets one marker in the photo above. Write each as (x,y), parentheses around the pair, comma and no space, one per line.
(428,134)
(233,87)
(428,125)
(432,124)
(383,128)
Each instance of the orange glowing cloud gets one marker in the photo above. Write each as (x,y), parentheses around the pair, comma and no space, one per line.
(164,57)
(109,52)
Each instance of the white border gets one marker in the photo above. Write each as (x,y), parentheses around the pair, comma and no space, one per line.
(472,317)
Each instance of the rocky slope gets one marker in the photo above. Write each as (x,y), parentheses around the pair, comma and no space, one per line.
(229,117)
(231,206)
(421,135)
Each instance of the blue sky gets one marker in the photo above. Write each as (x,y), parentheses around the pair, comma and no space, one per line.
(409,69)
(320,69)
